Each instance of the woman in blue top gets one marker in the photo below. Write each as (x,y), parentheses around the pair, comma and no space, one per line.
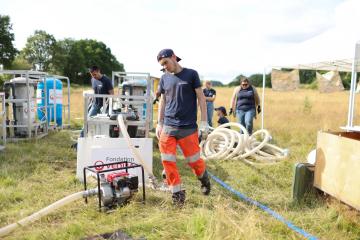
(244,102)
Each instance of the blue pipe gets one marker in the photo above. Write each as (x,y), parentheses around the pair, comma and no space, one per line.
(264,208)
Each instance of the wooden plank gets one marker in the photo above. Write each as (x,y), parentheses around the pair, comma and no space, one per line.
(337,166)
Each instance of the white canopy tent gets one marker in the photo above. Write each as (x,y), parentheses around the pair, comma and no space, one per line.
(342,65)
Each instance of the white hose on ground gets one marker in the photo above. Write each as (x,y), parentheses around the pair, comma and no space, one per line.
(135,152)
(45,211)
(68,199)
(225,143)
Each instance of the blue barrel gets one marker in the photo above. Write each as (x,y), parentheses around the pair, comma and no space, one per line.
(51,94)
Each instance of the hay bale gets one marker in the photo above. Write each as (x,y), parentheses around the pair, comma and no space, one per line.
(329,82)
(284,80)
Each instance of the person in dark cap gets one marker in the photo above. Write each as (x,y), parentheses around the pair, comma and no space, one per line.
(221,113)
(181,92)
(101,84)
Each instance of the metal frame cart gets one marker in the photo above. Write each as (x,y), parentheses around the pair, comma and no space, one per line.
(93,169)
(119,78)
(66,107)
(140,103)
(33,127)
(3,121)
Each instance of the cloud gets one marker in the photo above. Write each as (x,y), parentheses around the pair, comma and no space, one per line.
(219,39)
(337,42)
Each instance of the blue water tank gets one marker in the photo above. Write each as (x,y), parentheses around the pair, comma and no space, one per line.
(51,94)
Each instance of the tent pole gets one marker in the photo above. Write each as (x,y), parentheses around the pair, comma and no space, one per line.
(352,88)
(262,99)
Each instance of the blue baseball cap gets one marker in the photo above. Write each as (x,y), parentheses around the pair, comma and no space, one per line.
(222,109)
(94,68)
(166,53)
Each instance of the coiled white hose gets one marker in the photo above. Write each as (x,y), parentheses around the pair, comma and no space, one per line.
(225,143)
(45,211)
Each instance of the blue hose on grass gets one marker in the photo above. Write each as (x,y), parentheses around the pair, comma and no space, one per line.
(264,208)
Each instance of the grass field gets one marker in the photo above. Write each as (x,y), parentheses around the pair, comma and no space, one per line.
(36,173)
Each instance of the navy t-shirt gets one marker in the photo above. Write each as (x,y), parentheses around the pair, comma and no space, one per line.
(209,92)
(101,86)
(180,97)
(223,120)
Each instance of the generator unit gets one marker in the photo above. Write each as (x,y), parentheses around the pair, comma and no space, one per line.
(115,185)
(117,188)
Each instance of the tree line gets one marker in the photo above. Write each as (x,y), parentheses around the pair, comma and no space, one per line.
(67,57)
(72,58)
(307,78)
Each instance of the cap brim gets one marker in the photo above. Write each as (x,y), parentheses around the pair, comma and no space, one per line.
(178,59)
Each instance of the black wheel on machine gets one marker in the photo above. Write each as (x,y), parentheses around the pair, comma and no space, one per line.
(132,130)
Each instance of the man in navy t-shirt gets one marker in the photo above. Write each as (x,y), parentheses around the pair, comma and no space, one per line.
(101,85)
(181,92)
(210,95)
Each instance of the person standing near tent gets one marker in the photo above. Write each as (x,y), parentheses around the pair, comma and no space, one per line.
(210,95)
(244,103)
(181,91)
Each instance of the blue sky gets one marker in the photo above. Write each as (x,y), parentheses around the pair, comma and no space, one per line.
(220,39)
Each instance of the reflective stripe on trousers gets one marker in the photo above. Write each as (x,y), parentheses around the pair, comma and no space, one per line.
(191,150)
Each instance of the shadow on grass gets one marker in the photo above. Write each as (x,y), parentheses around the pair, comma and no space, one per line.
(267,176)
(311,200)
(216,169)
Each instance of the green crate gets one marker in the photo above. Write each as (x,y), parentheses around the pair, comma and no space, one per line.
(303,180)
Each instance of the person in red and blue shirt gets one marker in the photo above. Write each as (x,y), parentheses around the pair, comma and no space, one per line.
(181,92)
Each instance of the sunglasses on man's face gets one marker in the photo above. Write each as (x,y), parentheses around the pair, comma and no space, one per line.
(244,84)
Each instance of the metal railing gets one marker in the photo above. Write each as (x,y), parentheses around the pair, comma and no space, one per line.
(36,127)
(124,101)
(122,77)
(3,121)
(32,127)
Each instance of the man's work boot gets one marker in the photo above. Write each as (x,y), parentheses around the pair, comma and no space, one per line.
(178,198)
(205,183)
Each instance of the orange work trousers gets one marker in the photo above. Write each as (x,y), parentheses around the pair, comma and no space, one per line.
(191,150)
